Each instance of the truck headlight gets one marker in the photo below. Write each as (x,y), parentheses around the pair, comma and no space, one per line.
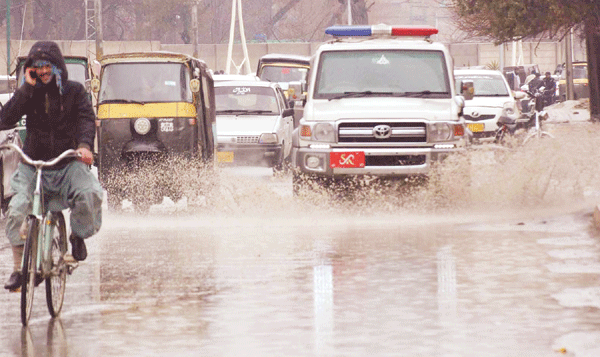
(268,138)
(441,132)
(324,132)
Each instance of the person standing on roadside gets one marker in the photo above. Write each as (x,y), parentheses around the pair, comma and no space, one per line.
(59,117)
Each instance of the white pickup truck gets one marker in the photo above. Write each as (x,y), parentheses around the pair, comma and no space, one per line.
(381,101)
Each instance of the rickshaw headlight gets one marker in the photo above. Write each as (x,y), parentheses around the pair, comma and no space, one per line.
(142,126)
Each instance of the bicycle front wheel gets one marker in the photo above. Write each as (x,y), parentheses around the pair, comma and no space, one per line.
(28,270)
(55,229)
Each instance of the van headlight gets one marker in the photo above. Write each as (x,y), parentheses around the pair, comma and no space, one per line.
(508,109)
(441,132)
(268,138)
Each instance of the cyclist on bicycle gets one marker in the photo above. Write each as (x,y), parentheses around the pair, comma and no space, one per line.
(59,117)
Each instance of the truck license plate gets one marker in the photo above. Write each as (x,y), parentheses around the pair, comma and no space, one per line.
(225,156)
(347,159)
(476,127)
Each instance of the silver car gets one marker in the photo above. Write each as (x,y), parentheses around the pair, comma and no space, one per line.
(254,124)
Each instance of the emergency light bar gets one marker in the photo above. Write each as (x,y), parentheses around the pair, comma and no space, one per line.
(381,30)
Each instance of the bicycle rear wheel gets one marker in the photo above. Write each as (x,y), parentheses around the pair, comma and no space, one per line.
(28,270)
(56,282)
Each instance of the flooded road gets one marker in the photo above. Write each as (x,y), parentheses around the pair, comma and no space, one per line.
(503,263)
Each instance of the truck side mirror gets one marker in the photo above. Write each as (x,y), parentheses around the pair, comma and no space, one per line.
(467,89)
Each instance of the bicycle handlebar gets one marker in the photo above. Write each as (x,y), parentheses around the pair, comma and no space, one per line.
(41,163)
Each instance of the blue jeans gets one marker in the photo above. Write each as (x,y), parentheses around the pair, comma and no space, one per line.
(73,186)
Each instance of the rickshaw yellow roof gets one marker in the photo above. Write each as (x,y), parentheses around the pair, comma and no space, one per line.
(155,56)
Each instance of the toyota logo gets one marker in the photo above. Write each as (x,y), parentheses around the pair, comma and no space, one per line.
(382,131)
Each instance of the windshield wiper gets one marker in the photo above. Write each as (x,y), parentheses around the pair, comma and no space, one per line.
(244,111)
(261,112)
(122,101)
(231,111)
(420,94)
(365,93)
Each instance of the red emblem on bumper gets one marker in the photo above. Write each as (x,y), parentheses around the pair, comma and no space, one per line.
(347,159)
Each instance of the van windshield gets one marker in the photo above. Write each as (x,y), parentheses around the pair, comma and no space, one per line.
(381,73)
(145,82)
(245,99)
(485,85)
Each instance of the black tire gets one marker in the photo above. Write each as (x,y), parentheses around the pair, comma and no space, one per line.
(56,282)
(28,270)
(278,163)
(297,184)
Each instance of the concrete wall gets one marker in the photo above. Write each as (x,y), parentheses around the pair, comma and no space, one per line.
(546,54)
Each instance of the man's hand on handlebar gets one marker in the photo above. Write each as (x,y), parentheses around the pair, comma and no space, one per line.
(85,156)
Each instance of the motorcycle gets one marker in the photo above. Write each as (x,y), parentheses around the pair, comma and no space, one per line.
(533,106)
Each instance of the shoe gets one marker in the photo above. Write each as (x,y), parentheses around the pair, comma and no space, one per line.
(78,248)
(14,281)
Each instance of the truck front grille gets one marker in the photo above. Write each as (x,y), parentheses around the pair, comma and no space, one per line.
(408,132)
(395,160)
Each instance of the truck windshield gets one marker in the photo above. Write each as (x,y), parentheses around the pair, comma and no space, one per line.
(391,72)
(283,74)
(144,83)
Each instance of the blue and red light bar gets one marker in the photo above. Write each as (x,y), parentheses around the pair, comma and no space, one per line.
(381,30)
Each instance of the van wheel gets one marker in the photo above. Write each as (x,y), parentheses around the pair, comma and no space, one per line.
(278,163)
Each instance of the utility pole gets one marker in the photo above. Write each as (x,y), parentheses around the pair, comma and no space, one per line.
(99,44)
(246,61)
(349,12)
(195,28)
(569,66)
(8,37)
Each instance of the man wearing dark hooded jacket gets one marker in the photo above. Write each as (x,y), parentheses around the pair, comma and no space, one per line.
(59,116)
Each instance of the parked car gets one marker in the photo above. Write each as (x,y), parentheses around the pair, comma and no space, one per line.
(492,99)
(580,82)
(254,124)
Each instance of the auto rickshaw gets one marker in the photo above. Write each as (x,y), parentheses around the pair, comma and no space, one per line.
(153,106)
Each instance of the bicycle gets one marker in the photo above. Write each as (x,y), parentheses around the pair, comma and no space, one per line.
(45,252)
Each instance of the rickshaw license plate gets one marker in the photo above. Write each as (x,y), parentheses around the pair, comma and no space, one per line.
(347,159)
(476,127)
(225,156)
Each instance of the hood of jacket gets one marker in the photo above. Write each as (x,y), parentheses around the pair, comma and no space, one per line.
(48,51)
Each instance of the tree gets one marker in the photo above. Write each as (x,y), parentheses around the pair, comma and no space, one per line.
(510,20)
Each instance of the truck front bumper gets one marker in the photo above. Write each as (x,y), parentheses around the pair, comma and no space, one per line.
(372,161)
